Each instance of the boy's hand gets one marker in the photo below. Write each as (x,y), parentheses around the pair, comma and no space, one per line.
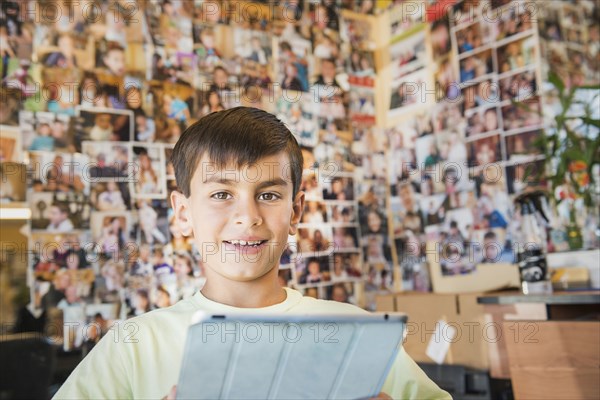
(172,393)
(381,396)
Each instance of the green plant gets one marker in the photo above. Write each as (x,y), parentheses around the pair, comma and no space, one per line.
(571,143)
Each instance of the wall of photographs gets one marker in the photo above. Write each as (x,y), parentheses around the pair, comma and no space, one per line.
(403,110)
(463,153)
(455,186)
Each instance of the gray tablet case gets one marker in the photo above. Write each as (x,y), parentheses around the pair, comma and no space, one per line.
(289,357)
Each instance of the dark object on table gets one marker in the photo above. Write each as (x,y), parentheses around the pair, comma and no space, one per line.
(465,383)
(27,366)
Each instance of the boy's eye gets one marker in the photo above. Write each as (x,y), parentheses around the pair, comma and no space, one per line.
(221,196)
(269,196)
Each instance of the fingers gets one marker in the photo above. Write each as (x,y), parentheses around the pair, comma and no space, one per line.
(381,396)
(172,394)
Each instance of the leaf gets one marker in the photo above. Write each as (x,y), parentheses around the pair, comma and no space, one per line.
(591,121)
(587,87)
(573,141)
(572,136)
(557,82)
(591,156)
(569,101)
(587,199)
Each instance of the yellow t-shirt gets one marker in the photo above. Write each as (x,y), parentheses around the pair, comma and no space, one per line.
(140,358)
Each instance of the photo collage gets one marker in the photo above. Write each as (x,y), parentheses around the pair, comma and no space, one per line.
(450,167)
(113,95)
(570,40)
(93,106)
(409,75)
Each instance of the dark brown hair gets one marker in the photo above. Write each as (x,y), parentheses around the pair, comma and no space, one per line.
(241,135)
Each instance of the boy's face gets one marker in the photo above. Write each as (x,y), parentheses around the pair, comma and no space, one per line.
(103,121)
(339,294)
(313,268)
(115,61)
(44,130)
(229,207)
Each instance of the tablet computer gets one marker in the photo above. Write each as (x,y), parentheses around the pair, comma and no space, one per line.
(289,356)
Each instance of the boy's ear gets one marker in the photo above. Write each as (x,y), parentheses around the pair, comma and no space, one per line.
(297,209)
(182,212)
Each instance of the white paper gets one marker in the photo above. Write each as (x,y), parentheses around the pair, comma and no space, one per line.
(439,344)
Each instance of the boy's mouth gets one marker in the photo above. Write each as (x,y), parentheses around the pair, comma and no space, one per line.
(245,247)
(245,243)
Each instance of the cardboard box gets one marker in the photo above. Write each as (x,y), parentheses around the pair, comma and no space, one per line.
(459,311)
(385,302)
(560,362)
(495,316)
(487,277)
(472,348)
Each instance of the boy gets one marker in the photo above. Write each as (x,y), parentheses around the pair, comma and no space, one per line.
(102,129)
(240,200)
(328,74)
(114,59)
(45,141)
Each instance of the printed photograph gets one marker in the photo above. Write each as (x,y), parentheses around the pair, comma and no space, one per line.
(45,131)
(10,144)
(315,238)
(108,161)
(13,182)
(516,55)
(149,175)
(476,66)
(313,270)
(111,230)
(107,124)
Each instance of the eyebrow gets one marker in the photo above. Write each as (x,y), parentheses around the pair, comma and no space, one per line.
(233,182)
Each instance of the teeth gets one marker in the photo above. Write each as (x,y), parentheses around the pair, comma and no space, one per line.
(244,242)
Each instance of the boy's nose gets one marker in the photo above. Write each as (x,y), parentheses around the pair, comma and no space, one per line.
(247,213)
